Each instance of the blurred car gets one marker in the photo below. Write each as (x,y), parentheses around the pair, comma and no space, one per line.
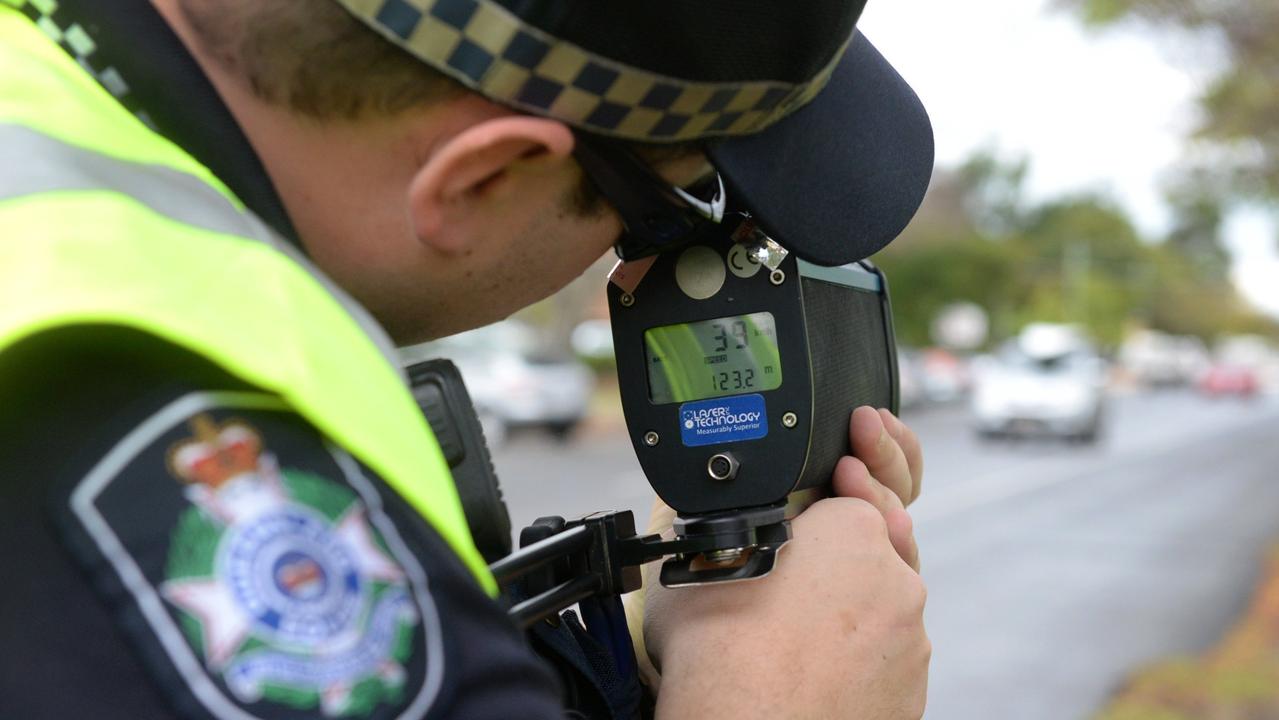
(593,340)
(515,381)
(1047,381)
(910,392)
(1157,359)
(1192,358)
(1226,379)
(944,377)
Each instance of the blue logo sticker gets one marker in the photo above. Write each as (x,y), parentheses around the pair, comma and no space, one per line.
(722,420)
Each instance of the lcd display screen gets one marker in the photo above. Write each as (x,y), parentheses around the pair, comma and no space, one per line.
(712,358)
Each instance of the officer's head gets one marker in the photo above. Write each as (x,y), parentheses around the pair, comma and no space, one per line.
(450,161)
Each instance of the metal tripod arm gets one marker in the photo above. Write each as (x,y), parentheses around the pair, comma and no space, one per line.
(563,562)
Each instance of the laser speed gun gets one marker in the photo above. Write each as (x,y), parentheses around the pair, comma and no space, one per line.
(739,366)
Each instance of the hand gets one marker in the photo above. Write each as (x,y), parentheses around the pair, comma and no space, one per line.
(886,470)
(836,631)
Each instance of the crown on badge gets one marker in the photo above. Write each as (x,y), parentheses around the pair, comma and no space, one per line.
(217,453)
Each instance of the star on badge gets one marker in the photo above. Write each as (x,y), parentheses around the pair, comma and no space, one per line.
(291,589)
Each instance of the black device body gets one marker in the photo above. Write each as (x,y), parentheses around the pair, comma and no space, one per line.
(834,339)
(440,393)
(828,347)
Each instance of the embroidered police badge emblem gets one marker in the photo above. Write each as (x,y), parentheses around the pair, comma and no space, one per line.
(281,589)
(289,591)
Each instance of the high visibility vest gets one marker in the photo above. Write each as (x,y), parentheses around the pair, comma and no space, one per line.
(105,222)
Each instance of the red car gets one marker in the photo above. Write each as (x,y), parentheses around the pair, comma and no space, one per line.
(1229,380)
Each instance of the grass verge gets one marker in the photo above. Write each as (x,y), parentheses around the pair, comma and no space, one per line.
(1236,680)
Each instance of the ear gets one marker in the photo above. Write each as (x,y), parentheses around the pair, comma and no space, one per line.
(468,171)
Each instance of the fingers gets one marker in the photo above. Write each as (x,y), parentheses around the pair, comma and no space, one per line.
(909,443)
(879,450)
(901,532)
(853,479)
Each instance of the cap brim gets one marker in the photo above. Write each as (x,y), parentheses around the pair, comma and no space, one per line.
(840,178)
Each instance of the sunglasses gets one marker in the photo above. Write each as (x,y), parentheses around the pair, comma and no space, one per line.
(656,215)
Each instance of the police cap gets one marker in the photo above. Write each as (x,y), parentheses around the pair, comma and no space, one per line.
(811,128)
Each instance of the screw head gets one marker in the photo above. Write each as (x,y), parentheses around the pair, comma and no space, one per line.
(777,277)
(626,299)
(651,438)
(790,420)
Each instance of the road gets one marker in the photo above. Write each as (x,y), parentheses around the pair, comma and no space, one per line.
(1053,570)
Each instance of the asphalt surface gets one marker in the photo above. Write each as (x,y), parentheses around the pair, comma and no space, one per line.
(1053,570)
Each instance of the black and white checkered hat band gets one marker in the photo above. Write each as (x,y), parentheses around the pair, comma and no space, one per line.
(74,39)
(494,52)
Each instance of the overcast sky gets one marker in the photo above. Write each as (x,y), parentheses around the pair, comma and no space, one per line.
(1091,110)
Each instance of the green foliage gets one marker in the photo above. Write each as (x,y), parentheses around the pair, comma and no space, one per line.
(1143,711)
(1239,103)
(925,279)
(1217,687)
(1102,12)
(1076,259)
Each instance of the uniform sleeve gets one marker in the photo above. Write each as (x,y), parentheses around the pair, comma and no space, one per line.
(177,543)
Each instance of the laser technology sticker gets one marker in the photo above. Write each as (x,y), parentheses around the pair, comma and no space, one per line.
(723,420)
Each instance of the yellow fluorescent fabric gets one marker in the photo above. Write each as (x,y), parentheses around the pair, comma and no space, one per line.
(43,88)
(97,256)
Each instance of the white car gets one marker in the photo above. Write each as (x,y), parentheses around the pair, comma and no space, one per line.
(1048,381)
(512,381)
(1157,359)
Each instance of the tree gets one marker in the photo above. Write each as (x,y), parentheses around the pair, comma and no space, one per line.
(1240,112)
(951,251)
(1076,259)
(1083,254)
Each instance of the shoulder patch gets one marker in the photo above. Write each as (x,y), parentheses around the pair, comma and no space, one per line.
(259,556)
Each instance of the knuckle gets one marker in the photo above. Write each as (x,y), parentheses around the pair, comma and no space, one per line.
(921,594)
(893,495)
(861,513)
(851,468)
(854,516)
(913,593)
(895,426)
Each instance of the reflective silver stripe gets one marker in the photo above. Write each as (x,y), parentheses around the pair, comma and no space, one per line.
(37,163)
(32,163)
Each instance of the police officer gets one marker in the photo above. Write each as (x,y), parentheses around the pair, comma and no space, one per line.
(217,498)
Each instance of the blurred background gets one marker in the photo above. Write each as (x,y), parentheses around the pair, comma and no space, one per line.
(1087,310)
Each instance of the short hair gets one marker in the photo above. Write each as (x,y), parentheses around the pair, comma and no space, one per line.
(318,60)
(314,58)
